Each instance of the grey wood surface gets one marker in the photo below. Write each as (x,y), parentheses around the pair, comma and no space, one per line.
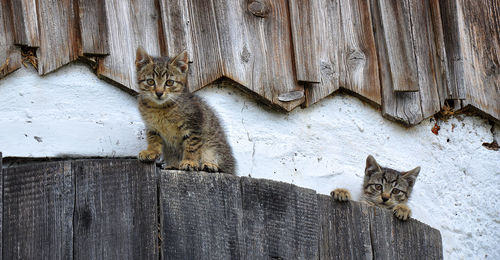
(25,20)
(256,51)
(378,50)
(472,43)
(124,209)
(10,59)
(60,41)
(304,25)
(93,27)
(280,220)
(115,210)
(349,219)
(201,216)
(1,205)
(397,28)
(129,24)
(38,204)
(358,54)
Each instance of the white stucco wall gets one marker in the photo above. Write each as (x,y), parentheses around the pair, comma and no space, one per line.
(322,147)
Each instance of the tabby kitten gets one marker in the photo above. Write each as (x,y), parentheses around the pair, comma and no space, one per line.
(179,124)
(385,188)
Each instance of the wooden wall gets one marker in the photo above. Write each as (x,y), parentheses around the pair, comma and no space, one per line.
(410,57)
(124,209)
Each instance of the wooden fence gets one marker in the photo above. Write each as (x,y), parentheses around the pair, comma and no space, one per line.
(123,209)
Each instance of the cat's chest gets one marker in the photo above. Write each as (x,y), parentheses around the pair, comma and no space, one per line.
(165,122)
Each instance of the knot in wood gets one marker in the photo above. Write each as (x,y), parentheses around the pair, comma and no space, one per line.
(259,8)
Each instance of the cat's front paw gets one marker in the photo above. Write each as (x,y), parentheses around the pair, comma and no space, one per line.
(210,167)
(401,211)
(189,165)
(148,156)
(341,194)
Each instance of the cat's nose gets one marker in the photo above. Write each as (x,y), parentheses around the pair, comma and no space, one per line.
(159,94)
(385,197)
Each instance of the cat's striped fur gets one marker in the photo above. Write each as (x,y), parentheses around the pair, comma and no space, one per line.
(179,123)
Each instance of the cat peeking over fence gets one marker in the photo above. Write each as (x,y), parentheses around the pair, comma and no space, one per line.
(180,126)
(384,187)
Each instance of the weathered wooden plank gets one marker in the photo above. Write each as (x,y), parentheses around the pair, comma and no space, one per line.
(473,45)
(280,220)
(176,33)
(395,239)
(93,27)
(329,38)
(344,230)
(201,216)
(1,204)
(10,59)
(400,106)
(130,24)
(358,56)
(397,30)
(60,41)
(428,63)
(115,210)
(256,51)
(451,27)
(25,21)
(38,204)
(442,72)
(207,61)
(304,26)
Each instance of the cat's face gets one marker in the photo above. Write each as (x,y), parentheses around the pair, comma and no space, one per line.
(384,187)
(160,79)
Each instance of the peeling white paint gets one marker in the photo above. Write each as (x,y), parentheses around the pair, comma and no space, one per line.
(322,147)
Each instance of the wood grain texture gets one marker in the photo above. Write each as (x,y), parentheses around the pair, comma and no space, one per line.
(60,41)
(130,24)
(350,219)
(10,59)
(304,26)
(124,209)
(399,106)
(1,205)
(93,27)
(432,77)
(397,24)
(395,239)
(206,52)
(347,51)
(255,52)
(473,44)
(373,233)
(176,33)
(201,216)
(115,210)
(38,204)
(219,216)
(280,220)
(329,38)
(358,55)
(25,20)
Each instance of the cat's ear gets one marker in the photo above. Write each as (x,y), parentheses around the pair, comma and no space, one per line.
(371,166)
(411,176)
(181,61)
(142,58)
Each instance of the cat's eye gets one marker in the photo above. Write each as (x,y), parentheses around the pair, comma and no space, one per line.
(169,83)
(378,187)
(395,191)
(150,82)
